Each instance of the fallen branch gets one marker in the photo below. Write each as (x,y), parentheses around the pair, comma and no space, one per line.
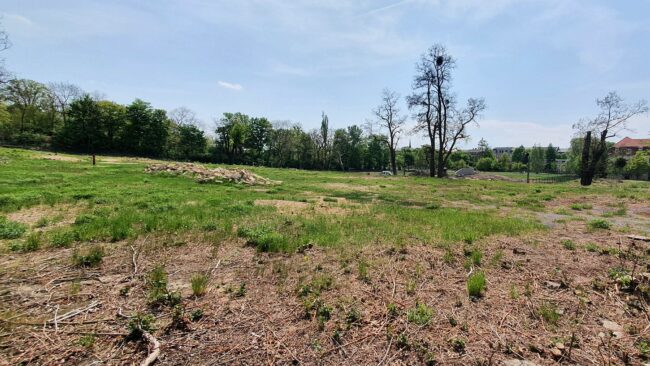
(153,355)
(73,313)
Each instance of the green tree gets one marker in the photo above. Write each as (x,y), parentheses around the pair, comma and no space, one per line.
(259,133)
(82,131)
(518,154)
(537,159)
(146,130)
(639,165)
(551,156)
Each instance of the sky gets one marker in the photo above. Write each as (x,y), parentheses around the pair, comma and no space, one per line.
(539,64)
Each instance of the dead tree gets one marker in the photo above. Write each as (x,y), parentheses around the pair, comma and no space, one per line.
(388,115)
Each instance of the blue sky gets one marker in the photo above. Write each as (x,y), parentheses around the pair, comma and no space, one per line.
(539,64)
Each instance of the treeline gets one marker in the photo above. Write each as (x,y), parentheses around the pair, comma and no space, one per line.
(62,117)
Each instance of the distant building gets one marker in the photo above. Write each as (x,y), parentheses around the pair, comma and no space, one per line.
(628,147)
(498,151)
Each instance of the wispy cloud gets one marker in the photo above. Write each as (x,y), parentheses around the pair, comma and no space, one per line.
(231,86)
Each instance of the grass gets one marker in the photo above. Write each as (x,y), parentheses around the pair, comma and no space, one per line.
(10,229)
(569,244)
(476,284)
(90,257)
(420,314)
(199,284)
(548,311)
(599,224)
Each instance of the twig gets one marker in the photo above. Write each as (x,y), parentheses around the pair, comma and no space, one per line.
(76,312)
(154,353)
(387,351)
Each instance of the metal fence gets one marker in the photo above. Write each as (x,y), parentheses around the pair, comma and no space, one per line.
(561,178)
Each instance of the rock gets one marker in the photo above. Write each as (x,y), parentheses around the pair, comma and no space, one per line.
(515,362)
(614,328)
(553,285)
(556,352)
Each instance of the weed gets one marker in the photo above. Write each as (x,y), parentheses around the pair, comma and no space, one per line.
(199,284)
(86,341)
(402,341)
(196,315)
(32,243)
(449,257)
(548,311)
(264,239)
(42,222)
(241,290)
(140,323)
(420,315)
(514,293)
(433,206)
(476,284)
(392,310)
(11,229)
(591,247)
(452,321)
(581,206)
(363,274)
(643,346)
(599,224)
(159,294)
(63,239)
(92,257)
(458,345)
(330,199)
(353,316)
(496,258)
(411,286)
(621,276)
(568,244)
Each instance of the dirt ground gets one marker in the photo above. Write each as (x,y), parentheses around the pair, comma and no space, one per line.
(260,308)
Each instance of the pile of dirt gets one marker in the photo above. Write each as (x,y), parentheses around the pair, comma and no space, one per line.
(205,175)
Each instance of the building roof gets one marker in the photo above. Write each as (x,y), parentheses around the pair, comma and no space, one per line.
(630,142)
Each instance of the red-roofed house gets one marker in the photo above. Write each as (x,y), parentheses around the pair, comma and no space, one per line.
(627,147)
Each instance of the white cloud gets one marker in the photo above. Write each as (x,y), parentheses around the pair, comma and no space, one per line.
(231,86)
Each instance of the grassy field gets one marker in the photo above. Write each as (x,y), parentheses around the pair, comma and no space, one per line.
(358,253)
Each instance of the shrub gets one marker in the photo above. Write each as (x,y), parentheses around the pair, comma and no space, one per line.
(549,313)
(139,323)
(199,284)
(84,219)
(581,206)
(92,257)
(599,224)
(87,341)
(569,244)
(458,345)
(32,243)
(420,315)
(159,294)
(476,284)
(10,229)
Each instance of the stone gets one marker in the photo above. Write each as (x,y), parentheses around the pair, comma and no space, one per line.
(553,285)
(613,327)
(515,362)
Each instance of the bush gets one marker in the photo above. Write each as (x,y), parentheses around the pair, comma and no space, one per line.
(599,224)
(549,313)
(486,164)
(158,292)
(199,284)
(476,284)
(32,243)
(91,258)
(569,244)
(10,229)
(420,315)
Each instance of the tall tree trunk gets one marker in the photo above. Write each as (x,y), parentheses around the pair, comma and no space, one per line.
(432,160)
(585,177)
(441,164)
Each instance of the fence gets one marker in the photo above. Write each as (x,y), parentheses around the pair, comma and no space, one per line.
(555,178)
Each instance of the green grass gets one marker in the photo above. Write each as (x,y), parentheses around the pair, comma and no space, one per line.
(420,314)
(599,224)
(476,284)
(116,202)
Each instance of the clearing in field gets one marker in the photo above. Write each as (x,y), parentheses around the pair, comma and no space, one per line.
(100,264)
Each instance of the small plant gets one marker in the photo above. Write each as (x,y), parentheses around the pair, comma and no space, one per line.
(496,258)
(643,347)
(621,276)
(264,239)
(158,292)
(420,315)
(87,341)
(92,257)
(476,284)
(42,222)
(330,199)
(392,310)
(458,345)
(411,285)
(323,314)
(599,224)
(581,206)
(363,271)
(140,323)
(353,316)
(591,247)
(432,206)
(32,243)
(449,257)
(402,341)
(241,290)
(514,293)
(10,229)
(196,315)
(199,284)
(549,313)
(63,239)
(84,219)
(568,244)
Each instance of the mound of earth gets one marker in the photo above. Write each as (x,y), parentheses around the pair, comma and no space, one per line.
(205,175)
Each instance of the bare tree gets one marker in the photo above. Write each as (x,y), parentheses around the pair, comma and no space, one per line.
(612,120)
(436,110)
(5,75)
(62,95)
(388,114)
(183,116)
